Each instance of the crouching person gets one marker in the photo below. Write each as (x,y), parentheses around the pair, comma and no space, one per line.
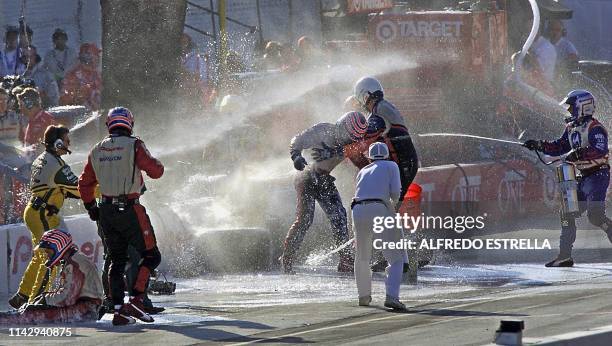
(79,294)
(376,195)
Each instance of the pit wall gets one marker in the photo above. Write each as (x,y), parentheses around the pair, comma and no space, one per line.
(16,248)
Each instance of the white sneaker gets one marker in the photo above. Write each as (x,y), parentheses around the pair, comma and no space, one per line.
(365,301)
(394,303)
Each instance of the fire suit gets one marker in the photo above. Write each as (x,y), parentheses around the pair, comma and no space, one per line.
(36,127)
(386,124)
(589,140)
(82,86)
(378,188)
(77,298)
(52,181)
(115,164)
(315,183)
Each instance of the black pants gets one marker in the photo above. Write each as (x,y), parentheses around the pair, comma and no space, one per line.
(130,227)
(407,161)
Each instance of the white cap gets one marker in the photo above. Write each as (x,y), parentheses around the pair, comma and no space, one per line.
(378,151)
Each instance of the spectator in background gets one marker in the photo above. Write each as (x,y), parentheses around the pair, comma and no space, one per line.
(532,73)
(30,106)
(44,81)
(61,58)
(289,59)
(546,56)
(82,85)
(272,59)
(309,55)
(10,64)
(567,55)
(10,122)
(195,79)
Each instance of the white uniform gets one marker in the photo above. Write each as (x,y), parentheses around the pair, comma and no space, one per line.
(378,190)
(546,55)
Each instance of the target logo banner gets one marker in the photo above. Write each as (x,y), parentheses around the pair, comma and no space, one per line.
(388,30)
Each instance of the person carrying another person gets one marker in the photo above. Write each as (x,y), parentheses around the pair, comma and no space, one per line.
(45,84)
(61,58)
(116,164)
(376,195)
(79,295)
(51,182)
(82,85)
(386,124)
(315,183)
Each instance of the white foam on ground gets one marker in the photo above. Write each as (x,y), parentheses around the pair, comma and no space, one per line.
(171,319)
(322,284)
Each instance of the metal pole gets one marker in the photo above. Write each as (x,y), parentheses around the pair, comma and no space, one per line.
(290,24)
(222,46)
(217,13)
(259,22)
(212,19)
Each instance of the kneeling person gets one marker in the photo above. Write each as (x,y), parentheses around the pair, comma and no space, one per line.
(376,195)
(79,294)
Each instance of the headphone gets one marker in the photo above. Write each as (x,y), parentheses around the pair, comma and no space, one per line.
(59,144)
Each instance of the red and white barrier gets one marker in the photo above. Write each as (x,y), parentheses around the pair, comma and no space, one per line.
(16,240)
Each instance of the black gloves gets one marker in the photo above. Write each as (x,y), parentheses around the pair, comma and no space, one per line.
(532,144)
(93,210)
(327,152)
(299,162)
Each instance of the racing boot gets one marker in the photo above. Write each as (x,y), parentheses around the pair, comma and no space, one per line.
(394,303)
(346,263)
(365,301)
(561,262)
(135,308)
(122,317)
(18,300)
(149,308)
(107,307)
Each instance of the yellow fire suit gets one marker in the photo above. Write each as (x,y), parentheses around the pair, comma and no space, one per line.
(52,181)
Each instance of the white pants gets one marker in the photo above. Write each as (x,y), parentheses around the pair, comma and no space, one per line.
(363,224)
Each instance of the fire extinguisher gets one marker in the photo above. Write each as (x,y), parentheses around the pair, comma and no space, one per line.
(568,188)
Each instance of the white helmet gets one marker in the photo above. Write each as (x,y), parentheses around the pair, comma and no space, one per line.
(367,87)
(378,151)
(580,104)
